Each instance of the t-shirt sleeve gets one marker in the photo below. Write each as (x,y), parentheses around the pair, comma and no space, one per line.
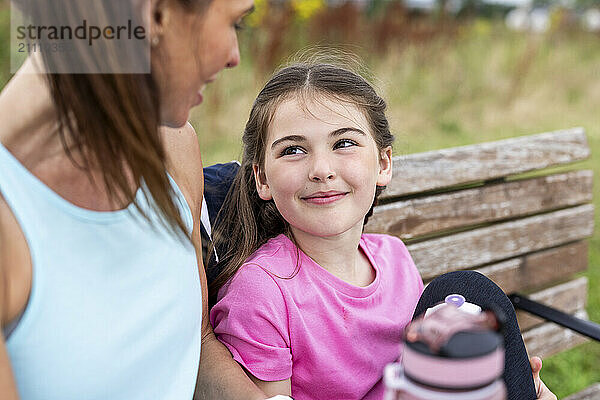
(251,320)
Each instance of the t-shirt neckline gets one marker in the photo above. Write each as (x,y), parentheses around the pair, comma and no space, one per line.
(338,284)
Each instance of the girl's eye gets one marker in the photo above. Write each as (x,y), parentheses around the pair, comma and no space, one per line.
(292,150)
(344,143)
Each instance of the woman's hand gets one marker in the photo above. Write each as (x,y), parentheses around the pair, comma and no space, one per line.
(540,387)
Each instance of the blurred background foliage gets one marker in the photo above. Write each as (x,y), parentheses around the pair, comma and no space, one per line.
(453,72)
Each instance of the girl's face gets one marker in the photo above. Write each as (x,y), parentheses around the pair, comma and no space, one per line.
(322,166)
(193,48)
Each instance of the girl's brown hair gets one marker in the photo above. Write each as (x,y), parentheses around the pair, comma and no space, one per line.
(246,221)
(110,120)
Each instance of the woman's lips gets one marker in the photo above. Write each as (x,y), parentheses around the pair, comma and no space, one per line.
(199,99)
(324,198)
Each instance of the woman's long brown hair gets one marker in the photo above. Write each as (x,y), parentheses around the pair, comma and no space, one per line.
(110,120)
(246,221)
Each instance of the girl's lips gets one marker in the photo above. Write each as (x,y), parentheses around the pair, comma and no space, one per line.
(325,198)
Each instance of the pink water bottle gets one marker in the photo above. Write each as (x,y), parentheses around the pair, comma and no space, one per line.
(453,352)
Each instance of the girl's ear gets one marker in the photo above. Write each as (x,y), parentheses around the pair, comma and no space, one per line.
(385,167)
(262,187)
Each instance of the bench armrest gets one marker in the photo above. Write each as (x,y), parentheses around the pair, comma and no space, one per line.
(582,326)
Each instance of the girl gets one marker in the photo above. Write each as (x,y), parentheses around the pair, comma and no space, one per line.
(309,305)
(318,280)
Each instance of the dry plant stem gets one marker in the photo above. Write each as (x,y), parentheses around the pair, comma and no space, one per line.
(523,68)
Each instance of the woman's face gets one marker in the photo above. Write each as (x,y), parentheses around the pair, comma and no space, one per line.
(192,48)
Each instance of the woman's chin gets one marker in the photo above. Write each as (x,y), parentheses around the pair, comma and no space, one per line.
(175,121)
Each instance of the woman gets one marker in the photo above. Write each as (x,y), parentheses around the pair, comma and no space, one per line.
(99,283)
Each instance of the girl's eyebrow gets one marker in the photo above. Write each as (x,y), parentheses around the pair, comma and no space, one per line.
(291,138)
(341,131)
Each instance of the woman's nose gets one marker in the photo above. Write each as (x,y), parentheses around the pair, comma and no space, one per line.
(234,57)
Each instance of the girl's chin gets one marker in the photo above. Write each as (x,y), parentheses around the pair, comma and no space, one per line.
(321,232)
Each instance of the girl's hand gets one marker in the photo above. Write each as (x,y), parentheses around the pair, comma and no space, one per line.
(541,389)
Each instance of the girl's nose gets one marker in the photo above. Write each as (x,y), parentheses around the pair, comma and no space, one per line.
(321,170)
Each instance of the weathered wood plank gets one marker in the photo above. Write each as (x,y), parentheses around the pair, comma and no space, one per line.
(567,297)
(549,338)
(552,265)
(538,269)
(448,167)
(421,216)
(589,393)
(502,241)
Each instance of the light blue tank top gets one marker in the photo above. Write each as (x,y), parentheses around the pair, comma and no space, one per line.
(115,304)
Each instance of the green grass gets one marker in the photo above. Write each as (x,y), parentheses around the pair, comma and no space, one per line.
(4,43)
(483,84)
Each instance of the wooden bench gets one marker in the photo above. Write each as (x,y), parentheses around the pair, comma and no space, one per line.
(495,207)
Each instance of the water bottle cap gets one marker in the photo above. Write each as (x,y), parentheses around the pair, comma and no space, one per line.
(455,300)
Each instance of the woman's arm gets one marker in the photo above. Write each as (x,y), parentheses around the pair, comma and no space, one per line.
(7,381)
(219,376)
(8,387)
(273,388)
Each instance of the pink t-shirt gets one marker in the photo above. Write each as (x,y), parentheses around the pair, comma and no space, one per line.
(332,338)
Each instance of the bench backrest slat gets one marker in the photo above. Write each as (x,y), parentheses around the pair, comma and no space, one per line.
(538,269)
(569,296)
(500,241)
(549,338)
(462,165)
(420,216)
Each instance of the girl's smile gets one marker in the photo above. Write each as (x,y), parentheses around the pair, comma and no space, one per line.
(323,198)
(322,166)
